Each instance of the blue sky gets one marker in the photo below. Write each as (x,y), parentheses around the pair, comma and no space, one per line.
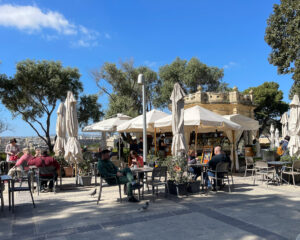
(85,34)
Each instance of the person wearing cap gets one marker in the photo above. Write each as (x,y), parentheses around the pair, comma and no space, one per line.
(112,174)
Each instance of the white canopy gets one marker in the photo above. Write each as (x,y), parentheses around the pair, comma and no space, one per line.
(198,116)
(272,136)
(136,124)
(108,125)
(285,124)
(294,127)
(60,142)
(247,124)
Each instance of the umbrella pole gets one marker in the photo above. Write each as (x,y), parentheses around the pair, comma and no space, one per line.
(155,151)
(76,174)
(233,151)
(119,146)
(196,140)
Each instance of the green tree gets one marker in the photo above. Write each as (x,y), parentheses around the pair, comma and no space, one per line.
(283,36)
(269,104)
(120,84)
(89,109)
(190,74)
(34,90)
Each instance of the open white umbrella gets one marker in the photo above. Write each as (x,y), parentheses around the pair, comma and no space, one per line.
(294,127)
(272,136)
(60,142)
(107,125)
(285,124)
(72,150)
(276,138)
(136,124)
(178,142)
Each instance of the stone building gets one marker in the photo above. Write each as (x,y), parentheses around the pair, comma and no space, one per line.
(223,103)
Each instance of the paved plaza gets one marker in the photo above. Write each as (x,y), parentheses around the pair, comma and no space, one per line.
(249,212)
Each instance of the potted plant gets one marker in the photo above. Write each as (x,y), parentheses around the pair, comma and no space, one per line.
(193,186)
(66,169)
(177,169)
(85,170)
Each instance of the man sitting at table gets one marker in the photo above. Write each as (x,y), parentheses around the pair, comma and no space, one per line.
(112,174)
(48,167)
(219,156)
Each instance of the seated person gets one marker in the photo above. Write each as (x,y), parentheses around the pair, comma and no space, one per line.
(108,171)
(21,164)
(48,167)
(219,156)
(135,160)
(192,160)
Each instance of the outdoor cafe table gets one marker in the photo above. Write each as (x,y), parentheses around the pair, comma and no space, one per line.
(203,167)
(9,179)
(145,169)
(278,166)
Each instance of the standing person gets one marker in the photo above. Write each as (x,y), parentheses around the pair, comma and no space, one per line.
(12,150)
(22,163)
(48,167)
(134,146)
(162,146)
(112,174)
(140,146)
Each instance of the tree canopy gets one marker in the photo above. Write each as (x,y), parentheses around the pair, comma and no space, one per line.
(89,109)
(283,36)
(270,107)
(120,84)
(34,90)
(190,74)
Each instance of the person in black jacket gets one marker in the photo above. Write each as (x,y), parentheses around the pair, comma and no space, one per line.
(219,156)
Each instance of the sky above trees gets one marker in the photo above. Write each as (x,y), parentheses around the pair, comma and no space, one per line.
(85,34)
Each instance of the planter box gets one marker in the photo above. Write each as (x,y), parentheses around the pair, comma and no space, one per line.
(177,189)
(68,171)
(85,180)
(193,187)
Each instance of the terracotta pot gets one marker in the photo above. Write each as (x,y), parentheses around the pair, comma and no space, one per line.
(249,152)
(68,171)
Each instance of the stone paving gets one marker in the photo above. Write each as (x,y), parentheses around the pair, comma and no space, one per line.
(249,212)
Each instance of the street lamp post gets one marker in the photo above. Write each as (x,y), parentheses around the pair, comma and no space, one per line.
(141,81)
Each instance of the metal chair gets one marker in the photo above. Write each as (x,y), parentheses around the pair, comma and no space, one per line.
(292,171)
(263,169)
(222,173)
(249,165)
(1,195)
(159,178)
(114,179)
(46,170)
(19,189)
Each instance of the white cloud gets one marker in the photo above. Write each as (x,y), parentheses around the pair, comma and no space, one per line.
(150,64)
(229,65)
(32,19)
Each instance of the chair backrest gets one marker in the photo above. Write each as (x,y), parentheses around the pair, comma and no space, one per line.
(159,172)
(249,160)
(296,165)
(47,170)
(222,167)
(261,164)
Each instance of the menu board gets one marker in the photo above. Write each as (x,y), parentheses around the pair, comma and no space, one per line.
(207,154)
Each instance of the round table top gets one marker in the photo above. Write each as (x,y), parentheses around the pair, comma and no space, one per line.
(198,165)
(278,163)
(144,169)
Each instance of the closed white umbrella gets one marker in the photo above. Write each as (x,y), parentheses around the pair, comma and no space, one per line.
(285,124)
(272,137)
(72,150)
(59,146)
(294,127)
(178,142)
(276,138)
